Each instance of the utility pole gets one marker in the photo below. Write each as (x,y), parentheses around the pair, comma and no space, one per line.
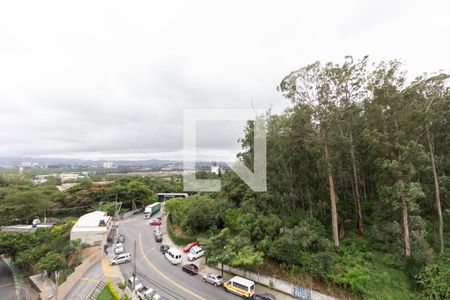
(134,266)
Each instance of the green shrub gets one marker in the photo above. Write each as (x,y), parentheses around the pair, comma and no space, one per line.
(318,265)
(434,281)
(112,290)
(177,239)
(366,274)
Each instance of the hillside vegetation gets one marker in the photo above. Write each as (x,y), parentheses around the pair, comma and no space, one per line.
(358,186)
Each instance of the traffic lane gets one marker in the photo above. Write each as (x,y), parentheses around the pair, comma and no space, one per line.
(135,226)
(147,276)
(7,287)
(191,282)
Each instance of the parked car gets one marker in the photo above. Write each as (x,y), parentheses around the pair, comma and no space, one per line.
(137,283)
(264,296)
(145,293)
(190,269)
(195,253)
(214,279)
(164,248)
(188,247)
(158,237)
(173,255)
(155,222)
(157,229)
(121,238)
(121,258)
(119,248)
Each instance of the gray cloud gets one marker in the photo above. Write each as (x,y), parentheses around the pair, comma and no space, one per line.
(110,79)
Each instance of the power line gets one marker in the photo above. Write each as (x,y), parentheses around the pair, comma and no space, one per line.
(160,286)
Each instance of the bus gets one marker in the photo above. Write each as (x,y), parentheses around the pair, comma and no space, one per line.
(240,286)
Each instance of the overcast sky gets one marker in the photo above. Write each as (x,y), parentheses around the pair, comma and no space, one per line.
(110,79)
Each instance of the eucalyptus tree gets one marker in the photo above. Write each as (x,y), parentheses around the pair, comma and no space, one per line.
(432,99)
(310,87)
(399,157)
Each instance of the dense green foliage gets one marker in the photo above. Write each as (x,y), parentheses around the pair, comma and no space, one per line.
(358,185)
(44,249)
(21,201)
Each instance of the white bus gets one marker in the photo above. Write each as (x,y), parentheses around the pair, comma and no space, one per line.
(240,286)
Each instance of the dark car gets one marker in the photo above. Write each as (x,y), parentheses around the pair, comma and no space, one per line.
(121,238)
(158,238)
(164,248)
(190,269)
(264,296)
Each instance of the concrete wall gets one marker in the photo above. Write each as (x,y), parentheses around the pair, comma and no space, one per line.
(91,238)
(129,213)
(278,284)
(80,270)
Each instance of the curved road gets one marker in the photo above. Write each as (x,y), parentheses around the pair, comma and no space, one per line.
(154,271)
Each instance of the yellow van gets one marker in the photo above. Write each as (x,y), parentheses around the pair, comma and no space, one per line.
(240,286)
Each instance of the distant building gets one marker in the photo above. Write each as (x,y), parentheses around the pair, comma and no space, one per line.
(215,168)
(26,164)
(40,181)
(108,165)
(70,177)
(92,229)
(65,186)
(165,196)
(24,228)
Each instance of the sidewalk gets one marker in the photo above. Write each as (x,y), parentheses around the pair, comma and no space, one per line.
(101,271)
(205,269)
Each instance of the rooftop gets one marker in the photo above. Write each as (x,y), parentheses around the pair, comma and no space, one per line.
(91,221)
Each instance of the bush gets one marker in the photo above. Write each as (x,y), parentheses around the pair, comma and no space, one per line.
(318,265)
(177,239)
(112,290)
(435,281)
(366,274)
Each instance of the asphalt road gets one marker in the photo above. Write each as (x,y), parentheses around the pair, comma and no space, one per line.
(154,271)
(7,287)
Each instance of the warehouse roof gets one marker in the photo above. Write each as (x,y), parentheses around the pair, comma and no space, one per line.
(92,221)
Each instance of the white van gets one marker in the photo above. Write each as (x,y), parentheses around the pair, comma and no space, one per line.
(195,253)
(119,248)
(240,286)
(121,258)
(173,255)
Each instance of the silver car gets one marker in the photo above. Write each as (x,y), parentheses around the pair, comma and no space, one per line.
(214,279)
(120,259)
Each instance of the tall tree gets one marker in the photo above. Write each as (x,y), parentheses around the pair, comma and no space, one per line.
(433,98)
(310,87)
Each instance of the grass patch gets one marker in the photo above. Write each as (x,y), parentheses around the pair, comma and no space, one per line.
(105,294)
